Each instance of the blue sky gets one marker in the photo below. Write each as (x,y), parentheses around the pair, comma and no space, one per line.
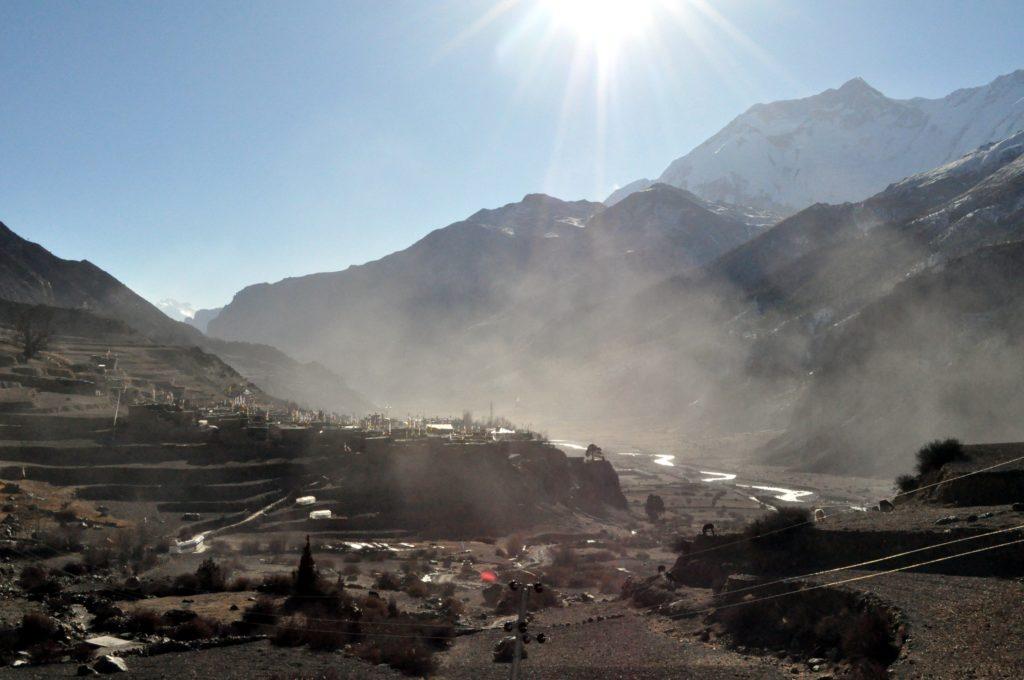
(193,148)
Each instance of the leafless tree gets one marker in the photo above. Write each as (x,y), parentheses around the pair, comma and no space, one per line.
(32,330)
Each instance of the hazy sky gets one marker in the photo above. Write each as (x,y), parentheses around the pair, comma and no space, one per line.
(192,148)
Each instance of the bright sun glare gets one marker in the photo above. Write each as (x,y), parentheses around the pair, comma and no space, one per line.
(604,24)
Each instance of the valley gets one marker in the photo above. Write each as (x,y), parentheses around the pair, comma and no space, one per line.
(759,417)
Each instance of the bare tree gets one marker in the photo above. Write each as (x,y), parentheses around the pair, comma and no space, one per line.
(32,330)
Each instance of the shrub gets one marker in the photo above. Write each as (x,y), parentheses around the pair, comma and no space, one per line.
(514,545)
(241,583)
(38,581)
(417,588)
(144,621)
(869,637)
(76,568)
(262,614)
(410,656)
(198,628)
(780,530)
(277,584)
(186,584)
(37,628)
(289,633)
(907,483)
(210,576)
(328,635)
(934,455)
(654,507)
(351,570)
(387,581)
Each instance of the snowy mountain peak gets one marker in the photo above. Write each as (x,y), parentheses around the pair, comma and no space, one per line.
(840,145)
(179,311)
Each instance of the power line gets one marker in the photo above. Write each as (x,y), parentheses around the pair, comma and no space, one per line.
(886,558)
(863,577)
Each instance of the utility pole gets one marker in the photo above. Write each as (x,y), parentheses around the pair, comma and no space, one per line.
(522,624)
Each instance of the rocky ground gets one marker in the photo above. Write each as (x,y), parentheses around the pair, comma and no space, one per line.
(958,626)
(611,640)
(240,662)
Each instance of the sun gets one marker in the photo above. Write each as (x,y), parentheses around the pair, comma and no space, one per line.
(604,25)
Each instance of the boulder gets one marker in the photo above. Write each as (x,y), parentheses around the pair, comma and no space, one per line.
(505,649)
(110,664)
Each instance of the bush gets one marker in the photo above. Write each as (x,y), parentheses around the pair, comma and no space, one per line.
(417,588)
(38,581)
(143,621)
(387,581)
(935,454)
(37,628)
(76,568)
(869,637)
(210,576)
(514,545)
(277,584)
(780,530)
(289,633)
(199,628)
(410,656)
(262,614)
(241,583)
(907,483)
(654,507)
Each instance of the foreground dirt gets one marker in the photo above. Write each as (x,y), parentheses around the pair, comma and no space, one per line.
(625,644)
(959,626)
(255,660)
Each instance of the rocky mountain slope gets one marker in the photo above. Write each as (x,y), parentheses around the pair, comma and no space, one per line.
(841,145)
(31,274)
(898,316)
(429,326)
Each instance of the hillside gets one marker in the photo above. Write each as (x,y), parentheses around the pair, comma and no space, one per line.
(30,274)
(434,325)
(840,145)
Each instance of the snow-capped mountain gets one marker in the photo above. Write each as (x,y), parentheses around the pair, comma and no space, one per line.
(840,145)
(179,311)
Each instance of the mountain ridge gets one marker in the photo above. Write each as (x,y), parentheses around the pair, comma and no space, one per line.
(842,144)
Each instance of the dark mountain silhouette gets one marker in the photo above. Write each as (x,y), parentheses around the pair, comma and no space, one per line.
(31,274)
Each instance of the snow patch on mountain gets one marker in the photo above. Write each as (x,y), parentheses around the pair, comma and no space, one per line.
(179,311)
(840,145)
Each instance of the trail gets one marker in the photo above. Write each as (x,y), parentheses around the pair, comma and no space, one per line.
(197,544)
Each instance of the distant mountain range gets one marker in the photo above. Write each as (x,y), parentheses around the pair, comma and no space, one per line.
(31,274)
(416,328)
(661,312)
(840,145)
(854,331)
